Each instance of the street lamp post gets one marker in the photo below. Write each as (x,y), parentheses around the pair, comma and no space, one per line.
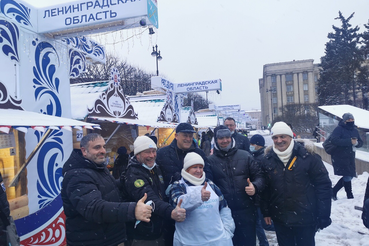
(156,53)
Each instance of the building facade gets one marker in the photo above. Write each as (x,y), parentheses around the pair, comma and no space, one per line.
(287,83)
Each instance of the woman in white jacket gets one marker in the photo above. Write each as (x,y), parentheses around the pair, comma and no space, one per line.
(208,218)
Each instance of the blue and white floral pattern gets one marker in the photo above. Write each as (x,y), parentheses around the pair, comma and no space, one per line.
(87,46)
(17,11)
(9,39)
(77,63)
(45,82)
(49,167)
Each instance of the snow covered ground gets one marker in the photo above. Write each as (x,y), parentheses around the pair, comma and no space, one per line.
(347,228)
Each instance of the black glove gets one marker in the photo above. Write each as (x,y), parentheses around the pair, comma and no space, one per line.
(323,223)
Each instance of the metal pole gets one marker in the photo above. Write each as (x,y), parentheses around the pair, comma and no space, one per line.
(157,66)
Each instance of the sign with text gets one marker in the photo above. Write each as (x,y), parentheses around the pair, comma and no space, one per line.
(92,13)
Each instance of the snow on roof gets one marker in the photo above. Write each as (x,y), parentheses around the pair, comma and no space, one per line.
(361,115)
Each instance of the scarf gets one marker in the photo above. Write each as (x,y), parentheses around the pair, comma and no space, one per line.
(192,179)
(285,155)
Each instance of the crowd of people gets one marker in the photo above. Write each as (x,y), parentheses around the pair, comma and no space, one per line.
(225,191)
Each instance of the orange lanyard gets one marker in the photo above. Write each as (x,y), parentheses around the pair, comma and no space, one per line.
(292,162)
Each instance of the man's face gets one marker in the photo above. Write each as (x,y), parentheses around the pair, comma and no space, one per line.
(230,124)
(281,142)
(95,151)
(147,157)
(184,140)
(224,142)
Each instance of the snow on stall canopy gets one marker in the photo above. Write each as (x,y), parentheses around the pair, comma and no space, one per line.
(23,120)
(361,116)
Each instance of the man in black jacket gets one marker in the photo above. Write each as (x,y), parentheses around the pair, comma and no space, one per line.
(95,213)
(242,142)
(170,158)
(144,176)
(298,189)
(240,180)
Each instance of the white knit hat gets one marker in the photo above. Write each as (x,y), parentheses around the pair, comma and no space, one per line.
(281,128)
(142,143)
(191,159)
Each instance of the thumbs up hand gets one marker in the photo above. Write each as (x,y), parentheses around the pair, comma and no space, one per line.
(205,194)
(179,214)
(142,210)
(250,189)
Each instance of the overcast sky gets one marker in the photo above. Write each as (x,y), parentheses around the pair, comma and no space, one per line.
(231,40)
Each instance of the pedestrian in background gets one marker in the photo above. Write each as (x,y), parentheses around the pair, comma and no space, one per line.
(346,138)
(242,142)
(121,163)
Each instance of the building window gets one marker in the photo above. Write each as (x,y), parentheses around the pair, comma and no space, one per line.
(289,77)
(289,99)
(315,77)
(304,76)
(274,100)
(289,88)
(306,87)
(306,98)
(275,110)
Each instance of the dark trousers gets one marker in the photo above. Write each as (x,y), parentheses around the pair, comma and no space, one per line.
(295,236)
(365,215)
(245,233)
(263,241)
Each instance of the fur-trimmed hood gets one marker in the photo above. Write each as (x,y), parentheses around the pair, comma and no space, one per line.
(306,143)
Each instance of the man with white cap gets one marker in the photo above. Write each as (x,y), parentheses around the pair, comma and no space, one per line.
(297,196)
(346,138)
(144,176)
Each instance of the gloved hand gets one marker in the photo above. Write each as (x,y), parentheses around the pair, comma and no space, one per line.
(323,223)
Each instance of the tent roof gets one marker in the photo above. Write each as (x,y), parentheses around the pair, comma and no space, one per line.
(361,115)
(22,120)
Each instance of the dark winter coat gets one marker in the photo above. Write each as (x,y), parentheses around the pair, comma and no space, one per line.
(258,155)
(5,212)
(230,173)
(300,196)
(170,160)
(138,181)
(242,142)
(206,145)
(343,157)
(120,165)
(92,204)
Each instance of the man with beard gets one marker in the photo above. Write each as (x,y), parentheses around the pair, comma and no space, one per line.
(297,196)
(239,179)
(95,213)
(143,176)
